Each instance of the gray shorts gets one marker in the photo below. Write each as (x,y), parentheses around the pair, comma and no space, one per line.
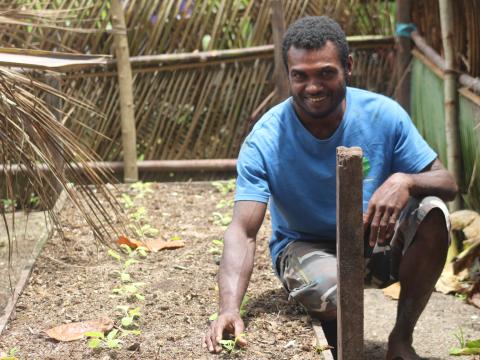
(308,270)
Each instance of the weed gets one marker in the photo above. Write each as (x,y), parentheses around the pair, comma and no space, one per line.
(471,347)
(215,250)
(33,200)
(139,214)
(175,238)
(130,290)
(225,203)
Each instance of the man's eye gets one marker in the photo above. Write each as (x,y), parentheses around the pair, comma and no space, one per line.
(297,76)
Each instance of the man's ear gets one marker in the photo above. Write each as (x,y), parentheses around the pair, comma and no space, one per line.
(349,65)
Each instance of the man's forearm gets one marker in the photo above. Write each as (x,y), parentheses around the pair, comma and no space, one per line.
(435,182)
(235,269)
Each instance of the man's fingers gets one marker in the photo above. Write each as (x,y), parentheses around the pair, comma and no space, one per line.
(239,328)
(374,226)
(207,341)
(367,217)
(382,230)
(392,222)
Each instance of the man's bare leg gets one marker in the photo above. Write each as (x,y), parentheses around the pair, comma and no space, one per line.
(419,270)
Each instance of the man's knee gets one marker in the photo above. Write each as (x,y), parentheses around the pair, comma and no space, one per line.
(434,229)
(319,300)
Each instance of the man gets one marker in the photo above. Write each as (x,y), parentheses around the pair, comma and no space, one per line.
(289,160)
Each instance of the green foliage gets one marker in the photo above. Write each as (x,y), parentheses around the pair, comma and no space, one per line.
(230,345)
(11,355)
(471,347)
(220,219)
(127,201)
(130,315)
(224,187)
(9,204)
(99,340)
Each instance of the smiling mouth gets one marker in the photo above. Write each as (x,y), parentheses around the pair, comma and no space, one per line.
(316,99)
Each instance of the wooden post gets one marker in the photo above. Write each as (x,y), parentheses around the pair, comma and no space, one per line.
(402,91)
(350,262)
(450,91)
(278,29)
(124,70)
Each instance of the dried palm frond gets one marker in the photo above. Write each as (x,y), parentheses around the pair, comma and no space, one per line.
(40,155)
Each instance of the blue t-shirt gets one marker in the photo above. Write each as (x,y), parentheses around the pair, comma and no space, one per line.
(283,162)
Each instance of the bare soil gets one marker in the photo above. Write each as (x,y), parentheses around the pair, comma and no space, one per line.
(73,281)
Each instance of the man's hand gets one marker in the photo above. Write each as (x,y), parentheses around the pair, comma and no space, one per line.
(229,322)
(385,206)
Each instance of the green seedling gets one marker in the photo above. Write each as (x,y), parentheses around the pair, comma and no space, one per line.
(219,219)
(471,347)
(214,250)
(127,201)
(224,187)
(9,204)
(231,345)
(33,200)
(242,312)
(321,348)
(98,339)
(130,290)
(11,355)
(225,203)
(175,238)
(139,214)
(145,230)
(141,188)
(130,315)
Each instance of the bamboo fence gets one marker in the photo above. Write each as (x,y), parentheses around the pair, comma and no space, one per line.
(466,32)
(193,108)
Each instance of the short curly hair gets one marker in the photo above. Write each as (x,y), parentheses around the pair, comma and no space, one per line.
(312,32)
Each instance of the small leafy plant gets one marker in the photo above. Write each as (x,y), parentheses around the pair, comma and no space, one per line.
(130,315)
(224,187)
(99,340)
(230,345)
(220,219)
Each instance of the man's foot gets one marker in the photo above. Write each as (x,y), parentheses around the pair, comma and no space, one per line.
(398,350)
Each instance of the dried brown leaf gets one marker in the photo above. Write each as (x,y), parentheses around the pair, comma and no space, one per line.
(74,331)
(392,291)
(159,244)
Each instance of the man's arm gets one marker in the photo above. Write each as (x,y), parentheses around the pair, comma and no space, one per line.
(235,269)
(392,196)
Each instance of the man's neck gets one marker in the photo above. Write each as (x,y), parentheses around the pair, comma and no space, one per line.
(324,127)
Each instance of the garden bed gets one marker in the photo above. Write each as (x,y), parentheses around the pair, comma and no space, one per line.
(73,281)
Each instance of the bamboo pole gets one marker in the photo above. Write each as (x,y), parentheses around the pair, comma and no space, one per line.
(402,92)
(450,90)
(124,70)
(279,73)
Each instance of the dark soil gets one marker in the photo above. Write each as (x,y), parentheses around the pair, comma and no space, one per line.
(73,280)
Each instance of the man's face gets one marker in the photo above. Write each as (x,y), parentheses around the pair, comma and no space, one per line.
(317,80)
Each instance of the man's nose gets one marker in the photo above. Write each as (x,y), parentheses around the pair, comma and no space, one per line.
(313,87)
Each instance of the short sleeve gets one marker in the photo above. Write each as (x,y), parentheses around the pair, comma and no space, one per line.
(411,152)
(252,181)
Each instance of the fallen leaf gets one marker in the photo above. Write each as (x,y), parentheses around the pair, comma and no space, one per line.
(159,244)
(392,291)
(462,218)
(448,282)
(123,240)
(75,330)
